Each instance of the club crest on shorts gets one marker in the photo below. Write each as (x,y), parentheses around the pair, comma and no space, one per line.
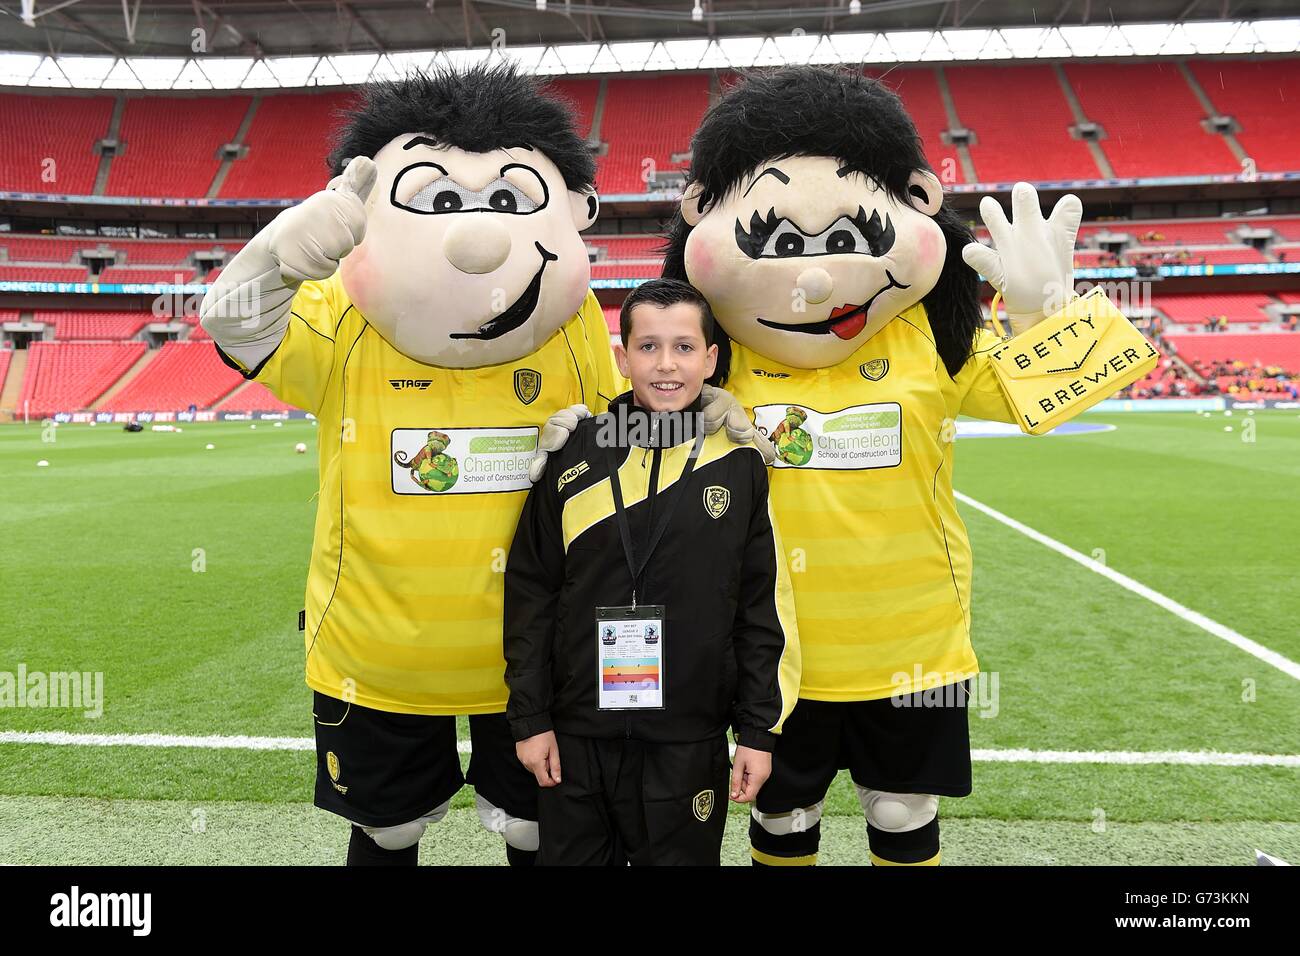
(716,500)
(528,385)
(702,805)
(874,370)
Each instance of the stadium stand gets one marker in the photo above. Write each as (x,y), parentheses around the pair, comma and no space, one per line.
(287,142)
(68,376)
(253,397)
(11,273)
(582,94)
(100,326)
(1037,126)
(919,89)
(1255,94)
(63,129)
(1276,348)
(170,144)
(40,249)
(1146,108)
(6,356)
(1194,309)
(647,120)
(180,374)
(180,274)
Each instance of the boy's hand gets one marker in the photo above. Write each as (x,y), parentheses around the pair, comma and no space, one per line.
(748,774)
(541,754)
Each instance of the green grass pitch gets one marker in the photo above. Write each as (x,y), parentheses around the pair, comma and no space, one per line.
(178,572)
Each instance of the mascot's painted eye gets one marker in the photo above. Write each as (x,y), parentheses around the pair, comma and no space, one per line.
(446,201)
(445,195)
(841,240)
(789,245)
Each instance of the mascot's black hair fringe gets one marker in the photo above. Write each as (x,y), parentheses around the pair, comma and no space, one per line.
(478,109)
(837,112)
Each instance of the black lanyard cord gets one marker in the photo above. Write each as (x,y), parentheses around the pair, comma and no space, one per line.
(624,529)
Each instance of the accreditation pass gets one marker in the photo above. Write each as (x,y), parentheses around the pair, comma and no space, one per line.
(630,657)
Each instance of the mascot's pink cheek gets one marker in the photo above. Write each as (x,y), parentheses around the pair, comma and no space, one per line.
(357,274)
(699,263)
(928,248)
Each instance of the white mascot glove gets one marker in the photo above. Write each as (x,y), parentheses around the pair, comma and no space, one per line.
(247,309)
(718,408)
(556,432)
(1032,262)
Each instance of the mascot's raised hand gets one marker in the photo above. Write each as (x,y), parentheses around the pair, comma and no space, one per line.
(719,409)
(1032,260)
(252,297)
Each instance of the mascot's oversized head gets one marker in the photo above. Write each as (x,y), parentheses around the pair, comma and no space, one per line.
(472,254)
(810,219)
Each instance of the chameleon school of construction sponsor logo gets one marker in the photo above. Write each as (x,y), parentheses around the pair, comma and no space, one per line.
(439,461)
(861,436)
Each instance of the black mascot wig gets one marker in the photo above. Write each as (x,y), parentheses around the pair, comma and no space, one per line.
(857,120)
(478,109)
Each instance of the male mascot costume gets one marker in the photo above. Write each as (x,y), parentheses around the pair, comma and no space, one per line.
(431,308)
(820,236)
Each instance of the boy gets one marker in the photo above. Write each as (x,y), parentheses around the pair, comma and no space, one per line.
(647,605)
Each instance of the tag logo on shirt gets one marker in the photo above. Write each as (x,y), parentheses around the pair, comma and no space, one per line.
(577,471)
(716,500)
(402,383)
(702,805)
(528,385)
(764,373)
(874,370)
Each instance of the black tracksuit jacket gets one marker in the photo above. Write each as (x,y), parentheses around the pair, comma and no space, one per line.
(731,650)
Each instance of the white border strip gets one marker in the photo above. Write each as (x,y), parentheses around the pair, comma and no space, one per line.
(1204,758)
(1253,648)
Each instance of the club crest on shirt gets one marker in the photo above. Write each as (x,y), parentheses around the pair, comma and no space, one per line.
(528,385)
(702,805)
(716,500)
(874,370)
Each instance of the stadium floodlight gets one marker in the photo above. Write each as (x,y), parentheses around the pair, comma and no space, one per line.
(697,12)
(855,7)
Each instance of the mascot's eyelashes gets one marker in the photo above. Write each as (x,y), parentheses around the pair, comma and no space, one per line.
(774,237)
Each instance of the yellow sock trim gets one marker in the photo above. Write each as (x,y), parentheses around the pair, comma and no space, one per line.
(881,861)
(769,860)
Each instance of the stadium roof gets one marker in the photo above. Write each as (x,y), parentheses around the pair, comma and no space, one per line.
(267,28)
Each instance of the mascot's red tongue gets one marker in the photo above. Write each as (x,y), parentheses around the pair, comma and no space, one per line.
(850,326)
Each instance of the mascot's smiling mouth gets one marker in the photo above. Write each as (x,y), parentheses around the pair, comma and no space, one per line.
(845,322)
(519,311)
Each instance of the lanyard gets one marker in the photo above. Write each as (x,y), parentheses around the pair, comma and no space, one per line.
(625,531)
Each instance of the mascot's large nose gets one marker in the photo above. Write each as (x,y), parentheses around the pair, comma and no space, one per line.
(815,284)
(476,244)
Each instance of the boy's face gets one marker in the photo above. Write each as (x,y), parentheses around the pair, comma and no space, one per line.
(666,357)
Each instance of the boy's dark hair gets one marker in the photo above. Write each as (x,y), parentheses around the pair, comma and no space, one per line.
(662,293)
(837,112)
(477,109)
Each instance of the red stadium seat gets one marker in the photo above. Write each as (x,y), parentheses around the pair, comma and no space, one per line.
(182,373)
(1258,94)
(287,142)
(646,121)
(42,274)
(102,326)
(170,144)
(62,128)
(69,376)
(1017,112)
(1152,120)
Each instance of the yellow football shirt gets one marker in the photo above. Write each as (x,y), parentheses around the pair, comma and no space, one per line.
(423,474)
(862,488)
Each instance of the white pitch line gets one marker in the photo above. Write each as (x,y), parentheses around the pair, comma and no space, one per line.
(1254,648)
(1207,758)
